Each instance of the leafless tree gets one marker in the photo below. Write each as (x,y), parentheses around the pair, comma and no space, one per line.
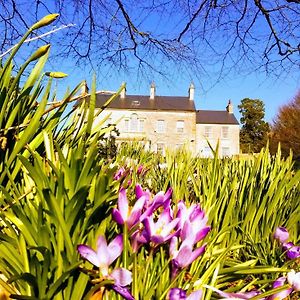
(156,34)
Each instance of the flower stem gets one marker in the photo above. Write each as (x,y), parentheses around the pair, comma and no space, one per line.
(125,246)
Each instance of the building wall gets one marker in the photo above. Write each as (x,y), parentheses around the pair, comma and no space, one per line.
(226,134)
(157,130)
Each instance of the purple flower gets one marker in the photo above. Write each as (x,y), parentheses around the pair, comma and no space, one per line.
(119,173)
(103,257)
(105,254)
(292,251)
(294,280)
(281,234)
(185,255)
(162,230)
(123,214)
(193,223)
(280,295)
(180,294)
(160,199)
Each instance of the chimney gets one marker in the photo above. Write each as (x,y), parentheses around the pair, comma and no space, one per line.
(84,89)
(229,107)
(123,92)
(152,91)
(192,91)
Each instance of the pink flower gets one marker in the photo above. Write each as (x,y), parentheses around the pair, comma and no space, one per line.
(105,254)
(123,214)
(281,234)
(180,294)
(103,257)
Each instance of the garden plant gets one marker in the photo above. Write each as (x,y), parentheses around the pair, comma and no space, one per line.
(76,223)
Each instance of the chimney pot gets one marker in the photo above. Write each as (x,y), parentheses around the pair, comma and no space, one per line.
(123,92)
(229,107)
(192,91)
(152,90)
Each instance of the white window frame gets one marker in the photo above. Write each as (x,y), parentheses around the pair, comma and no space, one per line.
(141,125)
(134,123)
(208,131)
(126,125)
(225,132)
(180,126)
(160,126)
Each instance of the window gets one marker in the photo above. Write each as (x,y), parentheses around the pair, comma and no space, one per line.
(126,125)
(225,132)
(141,125)
(225,151)
(160,148)
(208,131)
(180,126)
(134,123)
(160,126)
(207,152)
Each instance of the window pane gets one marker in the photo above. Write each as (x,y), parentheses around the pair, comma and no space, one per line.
(126,125)
(208,131)
(141,125)
(134,123)
(160,126)
(180,126)
(207,152)
(225,132)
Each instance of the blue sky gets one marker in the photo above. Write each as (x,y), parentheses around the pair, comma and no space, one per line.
(211,92)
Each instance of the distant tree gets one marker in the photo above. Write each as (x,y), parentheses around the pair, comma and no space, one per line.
(286,128)
(254,132)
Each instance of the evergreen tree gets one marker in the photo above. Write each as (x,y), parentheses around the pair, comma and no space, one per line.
(254,131)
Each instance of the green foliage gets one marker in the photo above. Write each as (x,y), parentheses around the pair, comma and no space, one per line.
(57,190)
(254,132)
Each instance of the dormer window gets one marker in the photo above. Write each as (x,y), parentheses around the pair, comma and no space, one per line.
(135,103)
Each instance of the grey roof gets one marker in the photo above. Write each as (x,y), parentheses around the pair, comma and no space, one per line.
(215,117)
(145,103)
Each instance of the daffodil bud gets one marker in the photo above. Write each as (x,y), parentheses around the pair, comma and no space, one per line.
(45,21)
(56,74)
(40,52)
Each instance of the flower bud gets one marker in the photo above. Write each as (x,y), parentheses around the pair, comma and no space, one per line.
(281,234)
(56,74)
(40,52)
(45,21)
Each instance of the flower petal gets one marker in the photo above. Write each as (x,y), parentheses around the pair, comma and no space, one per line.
(294,280)
(115,248)
(281,234)
(103,254)
(116,215)
(121,276)
(196,295)
(176,294)
(136,212)
(124,292)
(183,258)
(123,204)
(89,254)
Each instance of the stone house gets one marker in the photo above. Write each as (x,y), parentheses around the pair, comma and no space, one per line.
(160,122)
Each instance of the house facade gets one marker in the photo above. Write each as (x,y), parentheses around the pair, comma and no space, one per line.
(161,122)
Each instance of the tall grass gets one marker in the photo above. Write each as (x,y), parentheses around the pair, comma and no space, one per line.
(57,191)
